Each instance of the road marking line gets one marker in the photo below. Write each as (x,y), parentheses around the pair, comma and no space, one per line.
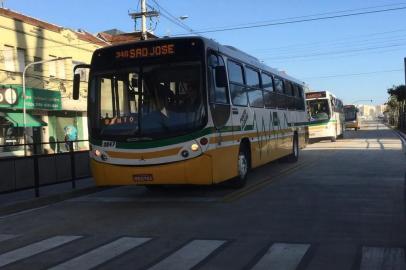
(34,249)
(282,256)
(379,258)
(23,212)
(238,194)
(4,237)
(102,254)
(189,255)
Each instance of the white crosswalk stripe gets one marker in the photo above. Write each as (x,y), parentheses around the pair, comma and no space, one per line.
(189,255)
(379,258)
(282,256)
(102,254)
(35,248)
(4,237)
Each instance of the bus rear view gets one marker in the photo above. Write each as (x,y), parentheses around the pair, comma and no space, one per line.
(351,117)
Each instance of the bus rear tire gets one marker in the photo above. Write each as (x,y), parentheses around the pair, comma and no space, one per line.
(294,157)
(333,139)
(243,166)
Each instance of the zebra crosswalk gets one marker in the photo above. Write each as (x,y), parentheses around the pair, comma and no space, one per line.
(192,254)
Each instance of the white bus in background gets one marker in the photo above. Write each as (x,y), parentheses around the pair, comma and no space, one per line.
(326,113)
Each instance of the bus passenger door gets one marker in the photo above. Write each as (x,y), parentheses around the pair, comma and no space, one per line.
(220,110)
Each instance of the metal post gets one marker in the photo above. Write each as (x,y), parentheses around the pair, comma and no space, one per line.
(36,176)
(72,164)
(144,20)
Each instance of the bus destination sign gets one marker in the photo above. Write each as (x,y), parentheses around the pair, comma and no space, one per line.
(144,52)
(315,95)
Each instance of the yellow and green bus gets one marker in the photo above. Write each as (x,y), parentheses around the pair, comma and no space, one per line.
(351,117)
(326,114)
(188,111)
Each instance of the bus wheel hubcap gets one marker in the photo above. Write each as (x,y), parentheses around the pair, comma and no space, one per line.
(242,165)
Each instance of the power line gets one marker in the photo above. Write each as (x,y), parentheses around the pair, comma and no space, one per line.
(168,15)
(354,74)
(335,52)
(306,16)
(297,21)
(334,41)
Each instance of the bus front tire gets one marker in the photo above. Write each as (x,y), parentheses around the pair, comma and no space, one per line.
(333,139)
(243,166)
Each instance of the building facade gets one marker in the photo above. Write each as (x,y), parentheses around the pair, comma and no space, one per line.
(51,113)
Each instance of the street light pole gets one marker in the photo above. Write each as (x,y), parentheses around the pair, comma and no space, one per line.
(24,95)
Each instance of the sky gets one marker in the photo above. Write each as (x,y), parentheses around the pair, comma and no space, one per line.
(356,57)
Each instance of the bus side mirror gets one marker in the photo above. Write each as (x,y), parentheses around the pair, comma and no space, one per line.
(76,80)
(221,76)
(76,86)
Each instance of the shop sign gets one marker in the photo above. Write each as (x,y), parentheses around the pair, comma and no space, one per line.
(36,99)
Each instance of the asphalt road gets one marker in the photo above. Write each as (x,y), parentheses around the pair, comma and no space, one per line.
(342,206)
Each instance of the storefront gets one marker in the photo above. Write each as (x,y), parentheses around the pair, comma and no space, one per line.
(39,103)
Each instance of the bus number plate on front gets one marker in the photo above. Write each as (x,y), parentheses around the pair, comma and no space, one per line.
(139,178)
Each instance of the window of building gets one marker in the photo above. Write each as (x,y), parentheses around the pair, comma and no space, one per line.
(8,54)
(21,59)
(61,69)
(38,67)
(52,66)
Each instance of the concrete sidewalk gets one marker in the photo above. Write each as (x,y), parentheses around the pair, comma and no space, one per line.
(25,199)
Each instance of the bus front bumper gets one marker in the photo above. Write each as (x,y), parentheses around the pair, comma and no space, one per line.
(196,171)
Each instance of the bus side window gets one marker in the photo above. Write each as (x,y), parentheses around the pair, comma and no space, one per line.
(280,101)
(275,119)
(269,95)
(237,87)
(253,88)
(216,94)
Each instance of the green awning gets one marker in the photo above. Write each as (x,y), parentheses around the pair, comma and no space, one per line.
(17,120)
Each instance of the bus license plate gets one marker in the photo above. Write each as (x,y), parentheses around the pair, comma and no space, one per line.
(142,178)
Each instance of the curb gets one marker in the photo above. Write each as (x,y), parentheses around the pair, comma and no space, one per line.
(401,135)
(43,201)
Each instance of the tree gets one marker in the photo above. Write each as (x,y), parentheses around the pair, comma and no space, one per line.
(397,105)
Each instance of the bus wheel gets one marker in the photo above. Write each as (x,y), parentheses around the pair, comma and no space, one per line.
(243,166)
(295,150)
(333,139)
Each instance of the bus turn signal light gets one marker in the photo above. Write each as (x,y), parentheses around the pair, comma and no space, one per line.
(204,141)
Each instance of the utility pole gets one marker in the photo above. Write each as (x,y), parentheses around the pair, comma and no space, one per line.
(144,20)
(144,14)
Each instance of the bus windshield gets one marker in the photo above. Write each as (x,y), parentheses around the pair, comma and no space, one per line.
(151,101)
(318,109)
(350,113)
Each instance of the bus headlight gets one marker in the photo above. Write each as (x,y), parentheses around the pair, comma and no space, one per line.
(194,147)
(97,153)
